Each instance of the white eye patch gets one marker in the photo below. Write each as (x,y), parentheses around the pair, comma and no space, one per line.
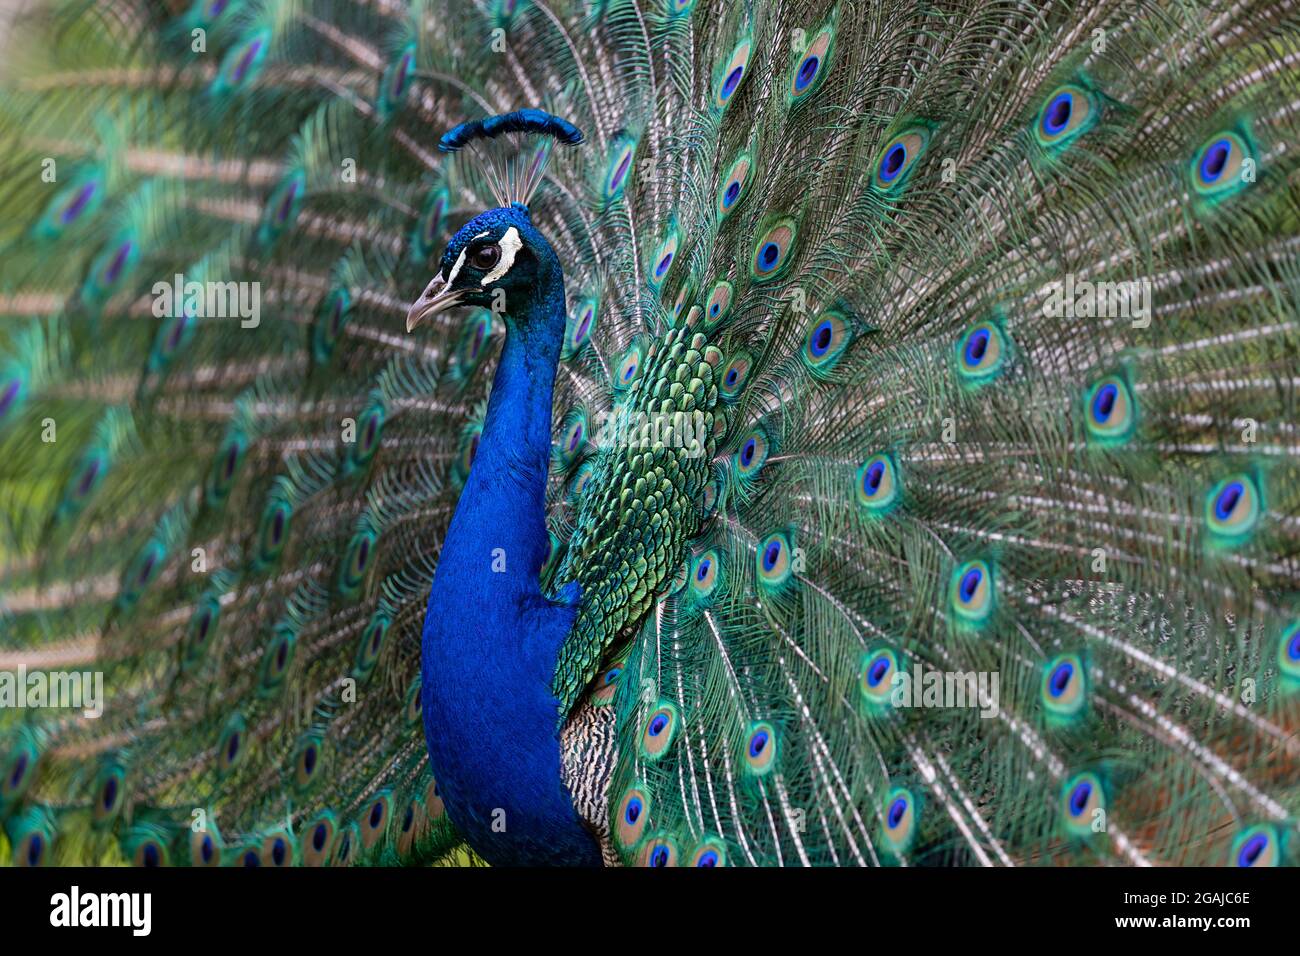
(510,245)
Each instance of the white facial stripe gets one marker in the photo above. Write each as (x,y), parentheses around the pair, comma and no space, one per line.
(460,261)
(510,245)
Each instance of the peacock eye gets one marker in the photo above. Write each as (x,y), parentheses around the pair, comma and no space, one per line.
(486,257)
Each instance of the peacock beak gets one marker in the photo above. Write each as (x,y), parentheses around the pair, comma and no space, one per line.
(437,297)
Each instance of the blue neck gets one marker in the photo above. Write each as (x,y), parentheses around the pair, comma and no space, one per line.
(491,639)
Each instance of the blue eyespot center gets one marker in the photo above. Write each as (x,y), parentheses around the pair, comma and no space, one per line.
(771,554)
(976,346)
(970,582)
(278,851)
(1103,403)
(877,672)
(20,767)
(1057,115)
(807,71)
(1226,503)
(632,812)
(376,813)
(658,724)
(821,338)
(871,480)
(1251,850)
(708,858)
(206,849)
(1079,798)
(893,161)
(659,856)
(79,202)
(747,452)
(1215,160)
(1061,679)
(732,81)
(703,572)
(896,811)
(758,743)
(768,255)
(731,195)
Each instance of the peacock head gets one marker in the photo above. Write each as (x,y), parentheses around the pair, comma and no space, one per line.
(494,259)
(499,251)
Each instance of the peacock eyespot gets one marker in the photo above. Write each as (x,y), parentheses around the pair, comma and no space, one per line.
(876,678)
(719,303)
(1066,113)
(628,366)
(827,337)
(705,576)
(1111,410)
(1224,165)
(972,593)
(735,375)
(630,821)
(731,73)
(662,259)
(619,165)
(981,353)
(1083,799)
(760,748)
(899,813)
(877,484)
(775,568)
(1257,847)
(660,730)
(752,454)
(1063,691)
(659,851)
(319,837)
(1233,509)
(774,250)
(898,157)
(710,853)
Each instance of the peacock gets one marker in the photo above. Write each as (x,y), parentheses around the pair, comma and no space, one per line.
(650,432)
